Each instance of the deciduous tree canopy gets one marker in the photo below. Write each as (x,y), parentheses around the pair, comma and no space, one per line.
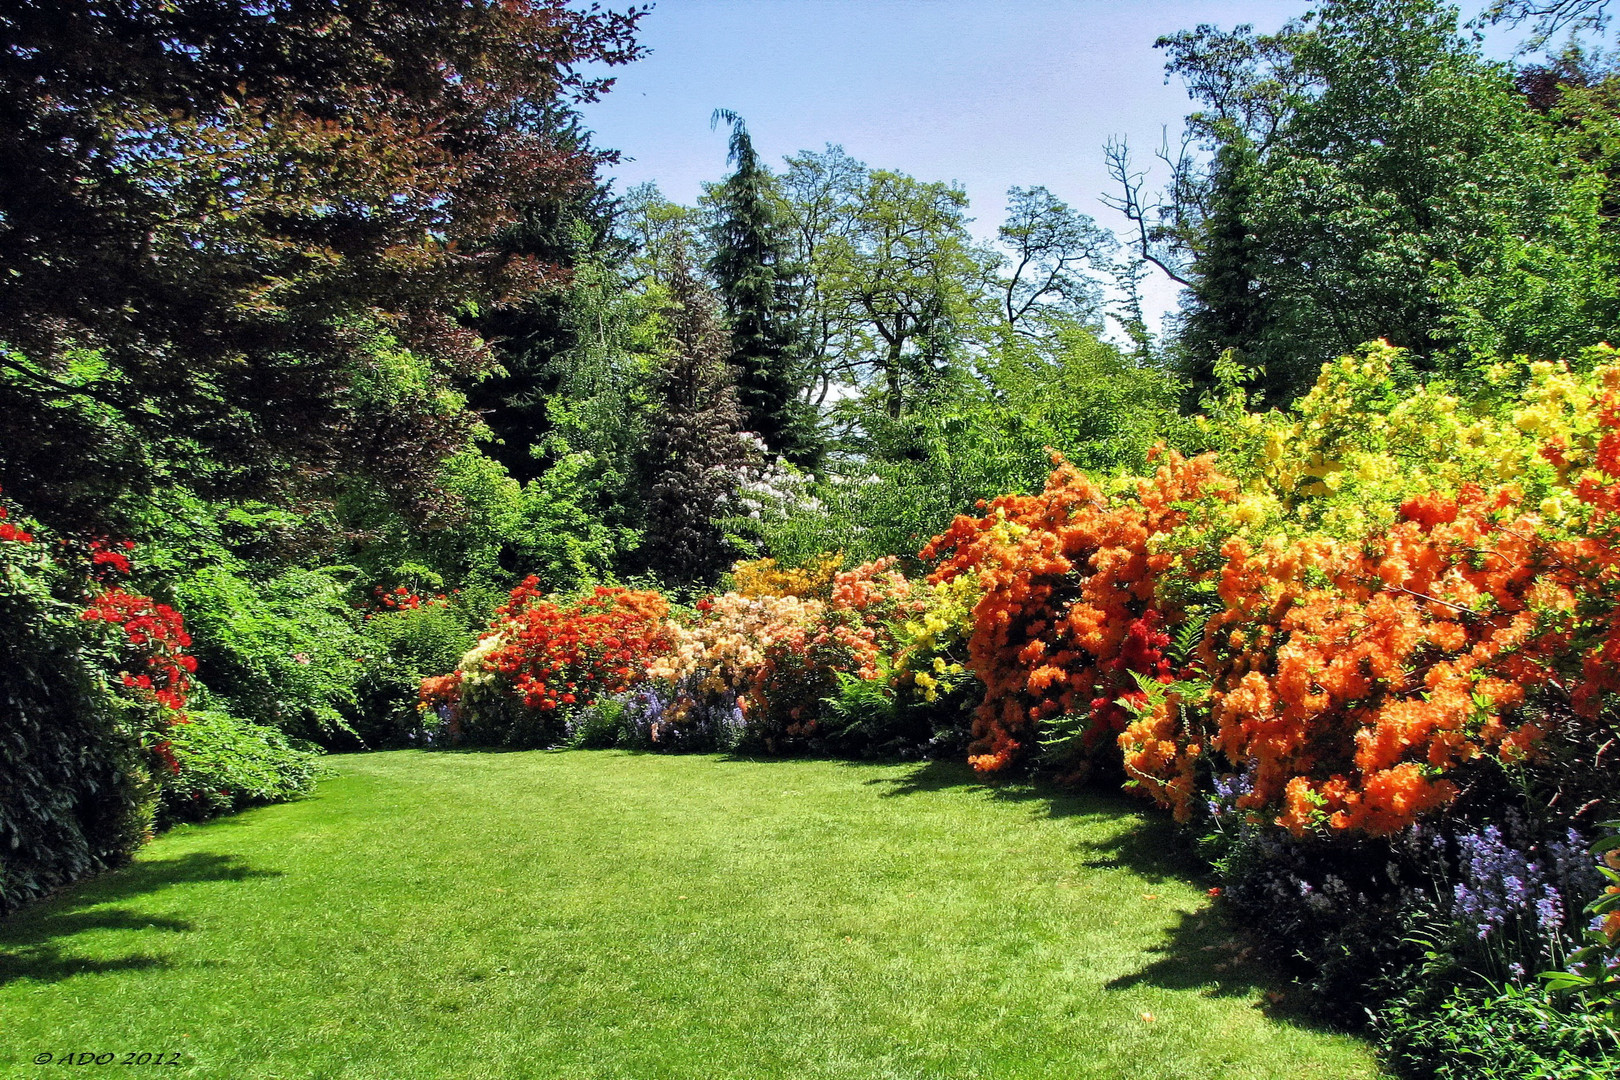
(263,218)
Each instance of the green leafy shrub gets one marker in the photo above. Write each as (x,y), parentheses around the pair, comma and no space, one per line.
(227,764)
(603,724)
(76,790)
(888,717)
(400,649)
(907,478)
(1493,1035)
(280,652)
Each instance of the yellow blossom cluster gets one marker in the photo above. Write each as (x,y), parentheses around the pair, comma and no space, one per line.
(933,645)
(1368,434)
(763,577)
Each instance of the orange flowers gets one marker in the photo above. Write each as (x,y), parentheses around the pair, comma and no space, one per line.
(1351,678)
(1069,615)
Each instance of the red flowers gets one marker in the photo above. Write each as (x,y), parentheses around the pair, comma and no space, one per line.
(103,555)
(554,654)
(155,636)
(401,598)
(12,533)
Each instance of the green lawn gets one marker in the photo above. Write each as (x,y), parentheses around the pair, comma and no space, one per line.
(604,914)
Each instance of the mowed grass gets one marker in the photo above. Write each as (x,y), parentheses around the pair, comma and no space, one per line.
(604,914)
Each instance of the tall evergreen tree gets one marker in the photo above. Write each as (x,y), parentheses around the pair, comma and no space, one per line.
(1226,303)
(698,449)
(750,266)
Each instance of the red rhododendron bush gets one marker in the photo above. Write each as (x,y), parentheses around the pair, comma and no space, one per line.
(770,660)
(138,645)
(97,684)
(544,655)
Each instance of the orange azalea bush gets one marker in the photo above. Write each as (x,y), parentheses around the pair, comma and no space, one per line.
(1348,659)
(1353,676)
(1070,613)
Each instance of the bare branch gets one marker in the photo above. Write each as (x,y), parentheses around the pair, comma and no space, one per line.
(1145,218)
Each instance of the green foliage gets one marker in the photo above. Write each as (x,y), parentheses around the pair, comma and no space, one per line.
(280,651)
(1486,1035)
(238,200)
(227,764)
(867,717)
(574,525)
(697,452)
(398,650)
(1373,176)
(755,280)
(892,281)
(884,718)
(1592,977)
(76,794)
(495,530)
(1067,392)
(1051,248)
(571,229)
(602,725)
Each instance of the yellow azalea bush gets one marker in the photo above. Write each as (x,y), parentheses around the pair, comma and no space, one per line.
(932,646)
(1367,436)
(763,577)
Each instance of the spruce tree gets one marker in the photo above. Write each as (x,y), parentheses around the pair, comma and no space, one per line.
(1226,307)
(698,450)
(750,266)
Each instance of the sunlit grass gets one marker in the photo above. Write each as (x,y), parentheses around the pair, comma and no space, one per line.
(602,914)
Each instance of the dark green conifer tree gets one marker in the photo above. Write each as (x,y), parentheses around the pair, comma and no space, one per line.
(750,266)
(698,451)
(1226,306)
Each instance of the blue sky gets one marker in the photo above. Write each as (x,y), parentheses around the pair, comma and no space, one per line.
(987,93)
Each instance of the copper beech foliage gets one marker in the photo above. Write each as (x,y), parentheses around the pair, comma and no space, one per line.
(232,202)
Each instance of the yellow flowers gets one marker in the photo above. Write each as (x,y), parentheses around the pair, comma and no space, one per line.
(763,577)
(1362,440)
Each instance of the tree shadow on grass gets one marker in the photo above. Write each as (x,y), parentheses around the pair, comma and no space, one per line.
(1201,952)
(1146,845)
(1206,952)
(38,942)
